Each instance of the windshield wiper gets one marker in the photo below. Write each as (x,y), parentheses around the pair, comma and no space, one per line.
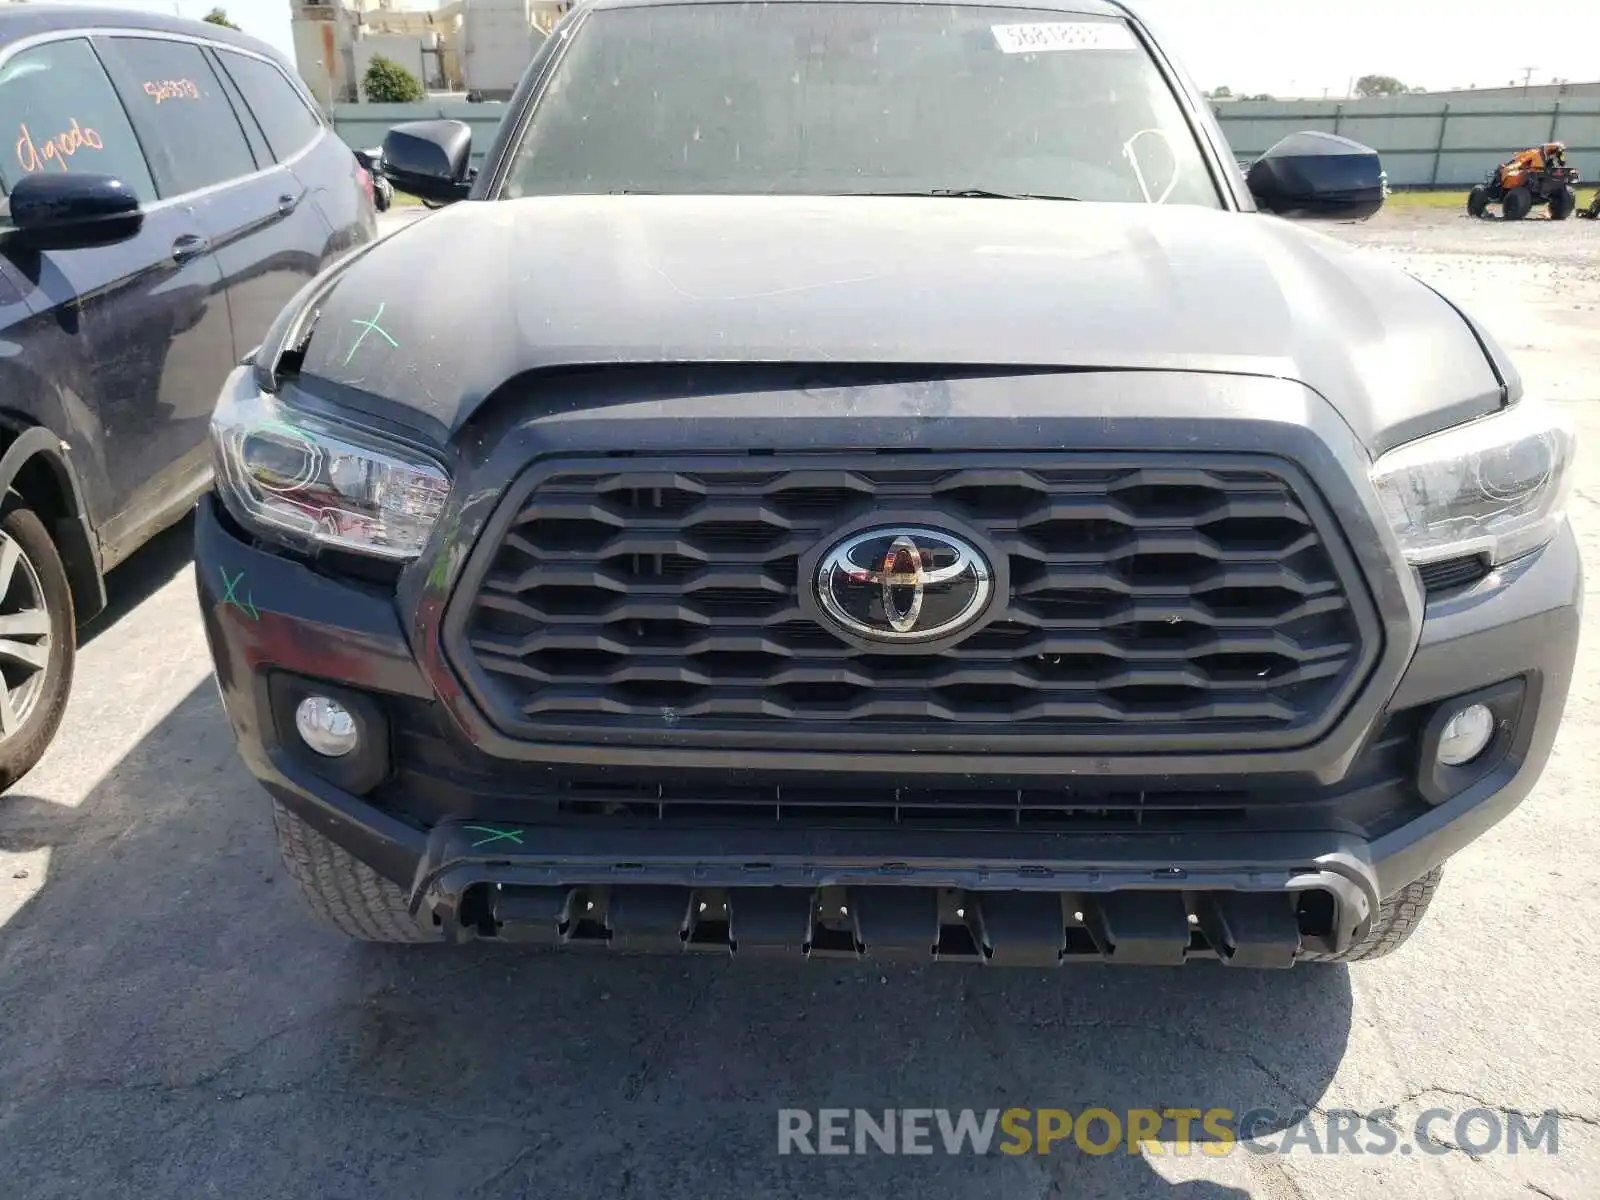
(972,194)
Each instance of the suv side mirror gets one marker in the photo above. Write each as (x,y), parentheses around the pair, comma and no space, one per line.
(428,159)
(72,212)
(1319,176)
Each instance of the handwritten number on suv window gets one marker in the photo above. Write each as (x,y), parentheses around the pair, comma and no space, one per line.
(172,89)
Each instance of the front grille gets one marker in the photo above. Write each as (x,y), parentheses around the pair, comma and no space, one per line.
(1149,604)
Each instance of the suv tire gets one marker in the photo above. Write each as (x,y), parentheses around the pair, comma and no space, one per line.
(1396,919)
(35,613)
(341,890)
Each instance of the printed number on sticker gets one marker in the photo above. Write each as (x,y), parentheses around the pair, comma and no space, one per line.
(1062,35)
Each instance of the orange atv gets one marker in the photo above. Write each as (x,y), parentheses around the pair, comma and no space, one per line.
(1537,176)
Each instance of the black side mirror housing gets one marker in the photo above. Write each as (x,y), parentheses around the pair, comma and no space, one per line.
(428,159)
(71,212)
(1318,176)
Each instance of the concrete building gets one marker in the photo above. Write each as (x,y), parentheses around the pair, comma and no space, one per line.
(334,42)
(456,47)
(499,37)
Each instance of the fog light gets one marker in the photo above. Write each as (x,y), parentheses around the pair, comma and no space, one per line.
(1466,735)
(326,726)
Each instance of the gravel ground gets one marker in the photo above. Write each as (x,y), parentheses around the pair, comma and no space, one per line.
(173,1026)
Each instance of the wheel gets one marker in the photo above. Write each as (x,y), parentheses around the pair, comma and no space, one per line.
(340,889)
(1397,918)
(38,642)
(1516,204)
(380,200)
(1478,201)
(1562,203)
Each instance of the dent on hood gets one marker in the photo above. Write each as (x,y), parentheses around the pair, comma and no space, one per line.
(441,315)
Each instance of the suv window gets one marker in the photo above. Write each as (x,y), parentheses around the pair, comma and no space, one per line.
(276,103)
(252,125)
(184,118)
(59,107)
(815,98)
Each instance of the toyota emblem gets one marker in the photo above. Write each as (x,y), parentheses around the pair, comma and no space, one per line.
(904,584)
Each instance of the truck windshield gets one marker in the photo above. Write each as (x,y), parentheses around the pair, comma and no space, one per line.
(858,98)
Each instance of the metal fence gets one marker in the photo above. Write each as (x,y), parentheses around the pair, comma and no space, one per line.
(1427,143)
(1424,143)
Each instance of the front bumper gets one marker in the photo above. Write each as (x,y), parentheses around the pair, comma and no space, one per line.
(478,857)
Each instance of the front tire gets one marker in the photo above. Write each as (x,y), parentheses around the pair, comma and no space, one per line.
(1562,204)
(1478,201)
(38,642)
(1517,204)
(341,890)
(1396,920)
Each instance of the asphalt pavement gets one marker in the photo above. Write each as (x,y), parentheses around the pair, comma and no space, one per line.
(173,1025)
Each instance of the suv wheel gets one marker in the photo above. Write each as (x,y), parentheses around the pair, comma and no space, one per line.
(38,645)
(341,890)
(1397,918)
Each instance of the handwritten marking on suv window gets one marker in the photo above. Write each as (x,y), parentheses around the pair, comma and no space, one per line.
(33,156)
(172,89)
(1051,36)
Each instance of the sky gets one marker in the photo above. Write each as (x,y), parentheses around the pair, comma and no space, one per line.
(1282,47)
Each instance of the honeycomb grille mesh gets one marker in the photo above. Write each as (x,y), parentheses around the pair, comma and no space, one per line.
(1145,600)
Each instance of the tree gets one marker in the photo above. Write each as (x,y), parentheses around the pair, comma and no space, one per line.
(1221,93)
(1380,85)
(219,16)
(1258,96)
(387,82)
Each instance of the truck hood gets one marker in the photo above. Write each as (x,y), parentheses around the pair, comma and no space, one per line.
(440,315)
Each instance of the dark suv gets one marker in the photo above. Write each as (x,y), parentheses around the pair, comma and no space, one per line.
(897,490)
(168,186)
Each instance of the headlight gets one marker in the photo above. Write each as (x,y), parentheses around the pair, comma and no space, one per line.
(312,482)
(1496,486)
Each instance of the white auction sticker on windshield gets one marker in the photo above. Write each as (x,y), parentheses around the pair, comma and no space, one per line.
(1050,36)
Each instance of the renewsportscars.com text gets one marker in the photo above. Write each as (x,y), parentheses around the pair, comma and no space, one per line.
(1215,1131)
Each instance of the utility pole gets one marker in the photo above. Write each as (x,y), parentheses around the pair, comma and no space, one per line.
(1527,78)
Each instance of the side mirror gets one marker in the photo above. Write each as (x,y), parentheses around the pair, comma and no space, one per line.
(72,212)
(1318,176)
(428,159)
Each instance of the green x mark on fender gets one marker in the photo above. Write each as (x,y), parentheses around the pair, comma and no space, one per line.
(230,595)
(495,835)
(367,327)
